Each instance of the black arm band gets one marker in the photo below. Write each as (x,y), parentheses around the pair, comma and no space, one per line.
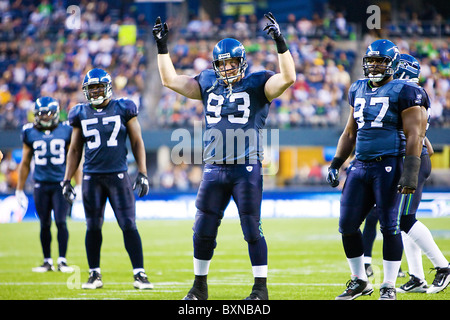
(336,163)
(162,47)
(410,174)
(281,44)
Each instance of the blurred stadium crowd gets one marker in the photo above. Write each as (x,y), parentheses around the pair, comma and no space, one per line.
(40,54)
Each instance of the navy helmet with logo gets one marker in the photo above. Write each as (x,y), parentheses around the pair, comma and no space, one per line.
(408,68)
(46,113)
(97,94)
(381,60)
(226,49)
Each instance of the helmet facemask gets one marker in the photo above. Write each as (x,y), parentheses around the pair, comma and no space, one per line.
(377,68)
(233,73)
(97,92)
(46,118)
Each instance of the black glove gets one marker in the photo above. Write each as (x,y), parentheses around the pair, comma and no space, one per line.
(160,33)
(141,185)
(333,177)
(273,29)
(68,191)
(410,174)
(333,172)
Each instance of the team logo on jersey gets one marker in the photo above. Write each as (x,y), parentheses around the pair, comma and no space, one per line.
(388,169)
(418,98)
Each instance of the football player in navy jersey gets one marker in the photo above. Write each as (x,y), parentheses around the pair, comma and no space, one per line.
(102,126)
(234,104)
(416,236)
(47,141)
(386,127)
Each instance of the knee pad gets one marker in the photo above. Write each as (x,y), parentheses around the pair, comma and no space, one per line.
(251,227)
(205,233)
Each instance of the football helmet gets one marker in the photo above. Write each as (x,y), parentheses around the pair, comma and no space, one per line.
(227,49)
(381,60)
(408,68)
(46,113)
(97,94)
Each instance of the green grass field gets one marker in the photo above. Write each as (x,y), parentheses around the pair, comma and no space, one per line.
(306,262)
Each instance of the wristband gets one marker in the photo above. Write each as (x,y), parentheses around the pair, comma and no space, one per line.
(162,47)
(336,163)
(281,44)
(410,174)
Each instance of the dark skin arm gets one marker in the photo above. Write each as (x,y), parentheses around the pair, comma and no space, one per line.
(347,139)
(137,144)
(74,154)
(414,126)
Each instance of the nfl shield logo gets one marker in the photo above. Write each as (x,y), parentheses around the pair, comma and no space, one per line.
(249,168)
(388,169)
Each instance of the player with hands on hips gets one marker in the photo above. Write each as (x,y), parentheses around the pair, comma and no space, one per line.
(233,102)
(47,141)
(102,126)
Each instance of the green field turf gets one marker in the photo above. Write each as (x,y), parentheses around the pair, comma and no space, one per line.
(306,262)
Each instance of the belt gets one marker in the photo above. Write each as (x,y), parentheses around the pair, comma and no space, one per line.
(379,158)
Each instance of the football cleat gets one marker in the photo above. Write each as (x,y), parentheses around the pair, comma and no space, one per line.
(197,293)
(356,288)
(141,281)
(94,281)
(387,292)
(44,268)
(441,280)
(413,285)
(63,267)
(258,293)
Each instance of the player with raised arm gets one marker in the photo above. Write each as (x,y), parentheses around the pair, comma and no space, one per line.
(47,141)
(236,104)
(102,126)
(386,127)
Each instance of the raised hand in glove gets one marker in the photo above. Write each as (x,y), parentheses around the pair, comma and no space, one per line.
(141,185)
(160,33)
(68,191)
(273,29)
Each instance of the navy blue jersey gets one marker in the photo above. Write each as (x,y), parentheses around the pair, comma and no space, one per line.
(234,119)
(104,133)
(377,112)
(49,150)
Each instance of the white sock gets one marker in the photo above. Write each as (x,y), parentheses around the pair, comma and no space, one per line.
(367,260)
(60,260)
(413,257)
(420,234)
(49,260)
(201,267)
(94,269)
(137,270)
(357,267)
(390,269)
(259,271)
